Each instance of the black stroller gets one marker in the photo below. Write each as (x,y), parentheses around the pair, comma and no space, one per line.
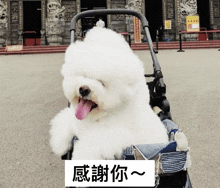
(174,174)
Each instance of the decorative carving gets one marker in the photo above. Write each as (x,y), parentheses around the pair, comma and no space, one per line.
(54,9)
(20,26)
(55,23)
(117,21)
(188,8)
(14,20)
(211,14)
(109,17)
(55,40)
(3,22)
(129,22)
(134,5)
(70,9)
(170,10)
(43,34)
(78,33)
(118,17)
(43,14)
(20,35)
(3,11)
(14,12)
(177,17)
(2,34)
(216,9)
(55,26)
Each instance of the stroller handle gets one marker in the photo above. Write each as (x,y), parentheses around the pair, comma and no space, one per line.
(105,12)
(161,87)
(141,17)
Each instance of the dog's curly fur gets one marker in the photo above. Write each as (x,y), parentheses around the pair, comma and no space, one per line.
(122,117)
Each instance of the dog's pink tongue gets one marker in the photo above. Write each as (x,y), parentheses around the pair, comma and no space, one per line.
(83,108)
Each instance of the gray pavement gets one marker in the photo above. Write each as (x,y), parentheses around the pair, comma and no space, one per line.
(31,95)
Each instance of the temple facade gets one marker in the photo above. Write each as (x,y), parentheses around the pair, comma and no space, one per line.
(48,21)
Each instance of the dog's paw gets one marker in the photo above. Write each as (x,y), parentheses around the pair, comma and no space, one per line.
(61,132)
(181,140)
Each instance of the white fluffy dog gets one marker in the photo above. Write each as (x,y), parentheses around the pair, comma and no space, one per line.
(104,82)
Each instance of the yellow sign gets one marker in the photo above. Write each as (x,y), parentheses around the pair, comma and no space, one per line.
(168,24)
(137,30)
(192,23)
(14,48)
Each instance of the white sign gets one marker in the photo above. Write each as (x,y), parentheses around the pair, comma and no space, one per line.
(195,26)
(14,48)
(113,173)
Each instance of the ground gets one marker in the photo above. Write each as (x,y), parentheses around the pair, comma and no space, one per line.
(31,95)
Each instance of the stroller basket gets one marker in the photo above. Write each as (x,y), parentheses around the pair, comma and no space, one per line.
(157,90)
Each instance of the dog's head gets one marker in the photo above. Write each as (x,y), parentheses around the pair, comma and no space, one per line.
(101,74)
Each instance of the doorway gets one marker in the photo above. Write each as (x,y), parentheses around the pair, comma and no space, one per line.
(32,22)
(204,15)
(89,22)
(153,13)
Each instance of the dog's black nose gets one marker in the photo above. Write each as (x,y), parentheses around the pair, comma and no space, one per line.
(84,91)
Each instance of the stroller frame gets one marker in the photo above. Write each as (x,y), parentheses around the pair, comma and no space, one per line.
(156,87)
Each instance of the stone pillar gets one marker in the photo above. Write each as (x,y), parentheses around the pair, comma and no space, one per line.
(55,22)
(43,23)
(8,35)
(14,23)
(78,33)
(164,8)
(70,12)
(20,31)
(143,7)
(211,13)
(187,8)
(214,8)
(109,22)
(177,18)
(55,30)
(3,23)
(117,21)
(169,13)
(3,31)
(43,37)
(136,5)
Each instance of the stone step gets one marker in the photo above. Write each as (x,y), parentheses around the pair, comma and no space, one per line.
(176,47)
(140,46)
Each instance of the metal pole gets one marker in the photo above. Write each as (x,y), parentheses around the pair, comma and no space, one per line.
(157,68)
(180,42)
(72,39)
(157,40)
(129,39)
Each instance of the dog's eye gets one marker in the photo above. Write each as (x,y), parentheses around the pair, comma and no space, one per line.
(102,82)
